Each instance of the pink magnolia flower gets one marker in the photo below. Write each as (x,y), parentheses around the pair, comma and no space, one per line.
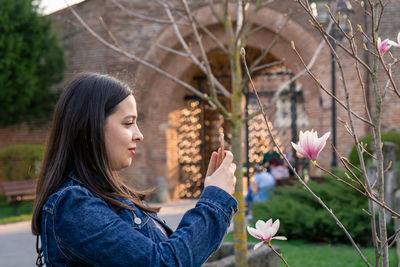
(310,145)
(383,46)
(265,231)
(390,42)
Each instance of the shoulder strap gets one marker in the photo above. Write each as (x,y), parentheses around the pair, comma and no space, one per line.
(39,250)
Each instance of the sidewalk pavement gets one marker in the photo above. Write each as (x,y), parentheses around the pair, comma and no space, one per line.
(17,244)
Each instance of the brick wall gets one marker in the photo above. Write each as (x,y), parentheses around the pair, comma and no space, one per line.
(160,99)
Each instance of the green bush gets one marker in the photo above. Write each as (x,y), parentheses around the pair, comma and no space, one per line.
(393,137)
(20,162)
(302,217)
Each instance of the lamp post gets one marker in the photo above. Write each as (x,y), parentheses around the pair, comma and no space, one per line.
(319,11)
(333,91)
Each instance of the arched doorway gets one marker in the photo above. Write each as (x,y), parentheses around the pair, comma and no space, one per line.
(184,69)
(200,124)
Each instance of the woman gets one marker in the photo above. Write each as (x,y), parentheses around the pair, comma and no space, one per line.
(85,214)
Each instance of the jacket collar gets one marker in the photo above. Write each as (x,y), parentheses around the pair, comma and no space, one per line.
(74,176)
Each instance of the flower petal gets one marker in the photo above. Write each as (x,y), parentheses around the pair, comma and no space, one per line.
(279,238)
(258,245)
(301,137)
(253,232)
(260,225)
(383,46)
(325,137)
(299,149)
(276,224)
(322,141)
(320,145)
(391,43)
(272,231)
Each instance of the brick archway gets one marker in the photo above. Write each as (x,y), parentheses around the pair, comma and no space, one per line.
(166,97)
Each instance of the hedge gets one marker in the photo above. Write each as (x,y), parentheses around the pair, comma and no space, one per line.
(393,137)
(302,217)
(20,162)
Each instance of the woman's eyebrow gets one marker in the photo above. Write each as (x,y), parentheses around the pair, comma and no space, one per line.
(130,117)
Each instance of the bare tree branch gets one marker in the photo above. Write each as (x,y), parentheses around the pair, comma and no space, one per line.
(244,30)
(141,61)
(239,17)
(268,65)
(182,41)
(212,36)
(212,8)
(328,92)
(109,32)
(380,56)
(353,47)
(140,16)
(326,35)
(210,76)
(294,78)
(174,51)
(272,44)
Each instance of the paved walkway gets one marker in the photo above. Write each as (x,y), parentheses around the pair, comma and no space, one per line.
(17,244)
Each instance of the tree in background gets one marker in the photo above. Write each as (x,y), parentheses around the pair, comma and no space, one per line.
(237,19)
(31,60)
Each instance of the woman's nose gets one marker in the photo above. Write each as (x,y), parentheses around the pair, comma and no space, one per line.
(137,135)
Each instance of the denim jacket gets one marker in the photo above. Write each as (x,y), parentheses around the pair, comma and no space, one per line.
(80,229)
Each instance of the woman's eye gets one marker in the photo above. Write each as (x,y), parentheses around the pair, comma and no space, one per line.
(129,123)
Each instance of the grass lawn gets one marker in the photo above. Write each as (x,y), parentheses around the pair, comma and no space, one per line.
(7,212)
(301,253)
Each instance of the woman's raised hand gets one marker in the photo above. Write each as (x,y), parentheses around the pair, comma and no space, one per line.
(222,176)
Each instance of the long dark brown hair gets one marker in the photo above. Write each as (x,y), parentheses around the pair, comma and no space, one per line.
(76,142)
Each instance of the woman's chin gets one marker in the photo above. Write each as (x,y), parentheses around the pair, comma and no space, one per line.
(128,163)
(122,165)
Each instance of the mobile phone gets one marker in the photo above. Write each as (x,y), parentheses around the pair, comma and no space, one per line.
(221,153)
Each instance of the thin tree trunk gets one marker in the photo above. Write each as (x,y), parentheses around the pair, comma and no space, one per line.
(240,233)
(380,175)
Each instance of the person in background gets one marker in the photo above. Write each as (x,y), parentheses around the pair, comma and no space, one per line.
(267,156)
(263,185)
(278,171)
(259,190)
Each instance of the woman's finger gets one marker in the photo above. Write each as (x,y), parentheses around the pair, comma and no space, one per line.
(228,158)
(232,167)
(212,165)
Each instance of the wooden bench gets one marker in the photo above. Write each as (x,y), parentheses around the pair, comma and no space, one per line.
(19,191)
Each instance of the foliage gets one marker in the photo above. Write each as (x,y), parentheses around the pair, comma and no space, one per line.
(30,61)
(393,137)
(7,212)
(20,162)
(302,217)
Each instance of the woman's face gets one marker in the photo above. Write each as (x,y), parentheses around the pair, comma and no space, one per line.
(122,134)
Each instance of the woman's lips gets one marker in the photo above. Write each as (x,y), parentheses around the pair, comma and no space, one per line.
(132,150)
